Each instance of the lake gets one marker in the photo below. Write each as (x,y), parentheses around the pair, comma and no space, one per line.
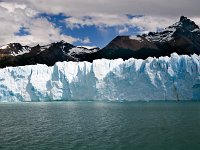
(156,125)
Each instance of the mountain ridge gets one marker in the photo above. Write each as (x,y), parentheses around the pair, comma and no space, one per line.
(183,37)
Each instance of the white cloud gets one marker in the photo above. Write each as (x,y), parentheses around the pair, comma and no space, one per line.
(86,40)
(100,13)
(170,8)
(146,23)
(149,23)
(123,30)
(112,12)
(99,20)
(42,32)
(11,7)
(13,16)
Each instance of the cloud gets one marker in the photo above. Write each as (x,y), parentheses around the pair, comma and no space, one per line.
(42,32)
(144,23)
(99,20)
(113,12)
(123,30)
(15,16)
(170,8)
(11,7)
(154,14)
(86,40)
(149,23)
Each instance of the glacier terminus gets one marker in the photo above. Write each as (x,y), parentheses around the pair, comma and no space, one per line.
(165,78)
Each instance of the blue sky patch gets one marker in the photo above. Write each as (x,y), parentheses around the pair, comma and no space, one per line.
(22,32)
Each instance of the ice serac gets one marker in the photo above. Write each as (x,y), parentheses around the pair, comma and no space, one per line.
(166,78)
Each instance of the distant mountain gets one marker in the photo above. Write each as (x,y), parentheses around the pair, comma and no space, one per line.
(182,37)
(15,54)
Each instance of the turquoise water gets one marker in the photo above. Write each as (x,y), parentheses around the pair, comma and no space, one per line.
(100,125)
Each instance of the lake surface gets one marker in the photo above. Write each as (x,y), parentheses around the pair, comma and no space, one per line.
(100,125)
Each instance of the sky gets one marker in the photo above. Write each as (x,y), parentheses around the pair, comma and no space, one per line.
(88,22)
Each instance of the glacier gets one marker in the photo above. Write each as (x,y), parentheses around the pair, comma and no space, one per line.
(166,78)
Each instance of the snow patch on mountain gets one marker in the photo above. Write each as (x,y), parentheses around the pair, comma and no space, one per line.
(43,48)
(4,47)
(23,51)
(164,36)
(81,50)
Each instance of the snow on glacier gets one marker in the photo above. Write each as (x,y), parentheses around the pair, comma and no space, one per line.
(166,78)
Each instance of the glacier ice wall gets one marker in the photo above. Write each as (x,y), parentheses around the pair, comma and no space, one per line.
(166,78)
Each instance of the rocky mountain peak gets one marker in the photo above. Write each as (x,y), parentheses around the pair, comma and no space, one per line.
(187,24)
(182,18)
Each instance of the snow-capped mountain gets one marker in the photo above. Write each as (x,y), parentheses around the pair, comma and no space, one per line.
(14,49)
(15,54)
(166,78)
(185,27)
(182,37)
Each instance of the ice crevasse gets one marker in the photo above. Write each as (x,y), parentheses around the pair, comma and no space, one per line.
(165,78)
